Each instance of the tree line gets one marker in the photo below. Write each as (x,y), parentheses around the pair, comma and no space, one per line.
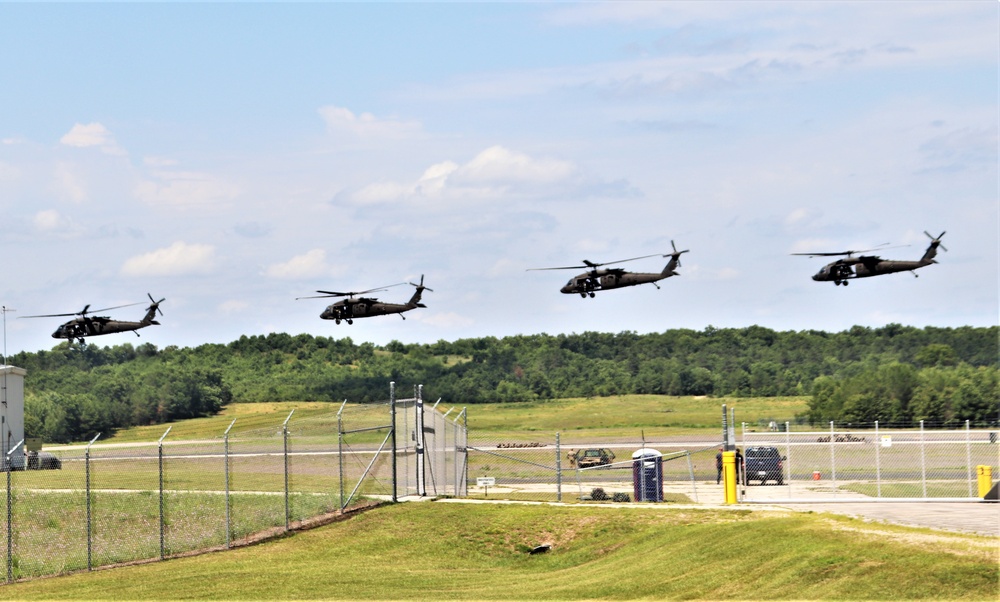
(897,374)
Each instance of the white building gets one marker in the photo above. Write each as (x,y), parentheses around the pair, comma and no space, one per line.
(12,413)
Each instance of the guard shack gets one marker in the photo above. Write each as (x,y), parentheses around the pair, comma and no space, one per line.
(11,414)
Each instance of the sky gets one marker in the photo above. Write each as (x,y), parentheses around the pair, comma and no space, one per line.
(233,157)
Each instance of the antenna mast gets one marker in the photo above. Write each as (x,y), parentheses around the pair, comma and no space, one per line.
(4,309)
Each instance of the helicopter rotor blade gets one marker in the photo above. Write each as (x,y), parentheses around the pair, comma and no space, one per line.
(326,294)
(109,308)
(83,313)
(882,247)
(590,264)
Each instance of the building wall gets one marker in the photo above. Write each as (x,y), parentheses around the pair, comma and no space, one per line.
(12,413)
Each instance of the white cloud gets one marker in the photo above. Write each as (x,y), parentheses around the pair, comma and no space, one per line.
(500,166)
(447,320)
(185,188)
(91,135)
(8,172)
(159,161)
(307,265)
(233,306)
(178,259)
(51,222)
(47,220)
(69,184)
(813,245)
(340,120)
(494,172)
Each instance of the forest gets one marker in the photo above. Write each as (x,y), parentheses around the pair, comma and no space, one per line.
(894,374)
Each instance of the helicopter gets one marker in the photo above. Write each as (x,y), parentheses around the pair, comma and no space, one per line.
(598,279)
(89,326)
(865,266)
(365,307)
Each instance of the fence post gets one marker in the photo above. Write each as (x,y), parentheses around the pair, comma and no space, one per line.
(558,470)
(86,461)
(9,468)
(162,517)
(878,463)
(284,436)
(340,450)
(392,414)
(421,485)
(788,458)
(229,518)
(694,484)
(833,460)
(923,463)
(968,455)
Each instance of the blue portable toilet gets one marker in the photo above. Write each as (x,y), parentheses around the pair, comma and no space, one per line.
(647,475)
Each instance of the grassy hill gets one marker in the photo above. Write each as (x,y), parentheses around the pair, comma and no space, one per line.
(461,551)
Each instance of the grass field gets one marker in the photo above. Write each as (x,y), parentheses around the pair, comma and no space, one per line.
(612,417)
(451,551)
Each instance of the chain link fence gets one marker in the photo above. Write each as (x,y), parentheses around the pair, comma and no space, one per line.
(84,506)
(867,462)
(578,467)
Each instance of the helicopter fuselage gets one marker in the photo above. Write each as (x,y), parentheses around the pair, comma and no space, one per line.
(364,307)
(80,328)
(865,267)
(588,283)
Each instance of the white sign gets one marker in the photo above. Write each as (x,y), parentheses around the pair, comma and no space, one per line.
(486,481)
(886,440)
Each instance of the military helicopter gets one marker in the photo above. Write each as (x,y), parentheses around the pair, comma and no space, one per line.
(365,307)
(598,279)
(89,326)
(865,266)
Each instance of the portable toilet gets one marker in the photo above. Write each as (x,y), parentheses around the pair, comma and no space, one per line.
(647,475)
(11,414)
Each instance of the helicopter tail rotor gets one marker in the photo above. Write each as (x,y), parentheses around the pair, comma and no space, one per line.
(676,255)
(155,305)
(421,287)
(937,239)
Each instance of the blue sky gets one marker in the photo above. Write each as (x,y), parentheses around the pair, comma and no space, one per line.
(233,157)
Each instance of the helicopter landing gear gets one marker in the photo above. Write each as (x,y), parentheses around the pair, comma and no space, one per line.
(592,295)
(336,321)
(350,321)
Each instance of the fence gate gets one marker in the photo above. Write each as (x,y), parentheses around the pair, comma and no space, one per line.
(431,449)
(870,463)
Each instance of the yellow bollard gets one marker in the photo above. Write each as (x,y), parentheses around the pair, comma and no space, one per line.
(729,476)
(984,478)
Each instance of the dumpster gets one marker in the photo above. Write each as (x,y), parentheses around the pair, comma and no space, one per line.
(647,475)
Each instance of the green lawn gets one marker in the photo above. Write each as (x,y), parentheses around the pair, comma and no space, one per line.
(451,551)
(612,417)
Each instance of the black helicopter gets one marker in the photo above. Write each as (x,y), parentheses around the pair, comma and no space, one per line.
(366,307)
(597,279)
(866,266)
(85,325)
